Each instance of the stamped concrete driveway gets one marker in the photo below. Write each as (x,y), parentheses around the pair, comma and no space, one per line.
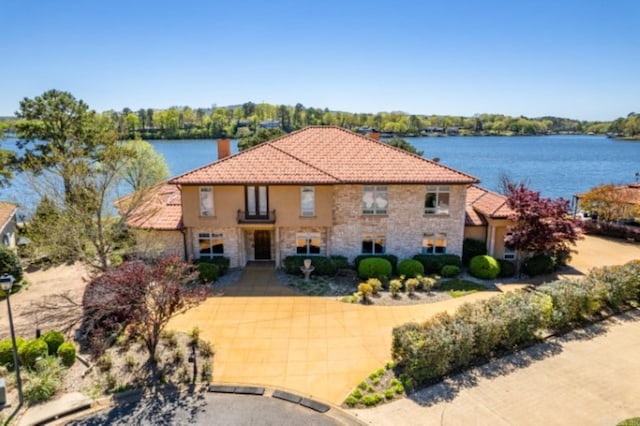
(264,334)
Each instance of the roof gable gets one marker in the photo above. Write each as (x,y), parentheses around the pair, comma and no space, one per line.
(482,203)
(323,155)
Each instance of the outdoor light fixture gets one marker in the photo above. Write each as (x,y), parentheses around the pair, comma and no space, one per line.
(6,283)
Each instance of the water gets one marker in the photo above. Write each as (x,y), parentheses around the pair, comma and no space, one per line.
(557,166)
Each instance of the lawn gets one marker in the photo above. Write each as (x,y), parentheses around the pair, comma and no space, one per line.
(458,287)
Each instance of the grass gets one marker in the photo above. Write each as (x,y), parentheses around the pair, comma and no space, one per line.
(459,288)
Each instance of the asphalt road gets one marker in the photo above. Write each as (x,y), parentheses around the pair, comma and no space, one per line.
(207,409)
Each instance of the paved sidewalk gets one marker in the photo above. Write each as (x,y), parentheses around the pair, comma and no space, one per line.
(589,377)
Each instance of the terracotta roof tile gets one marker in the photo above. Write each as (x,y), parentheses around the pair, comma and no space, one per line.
(482,203)
(161,209)
(323,155)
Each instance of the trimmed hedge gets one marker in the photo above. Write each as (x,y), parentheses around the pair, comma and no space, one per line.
(507,268)
(67,354)
(450,271)
(392,258)
(323,265)
(220,261)
(375,267)
(6,351)
(208,272)
(410,268)
(54,339)
(433,263)
(472,248)
(484,267)
(539,264)
(447,343)
(31,351)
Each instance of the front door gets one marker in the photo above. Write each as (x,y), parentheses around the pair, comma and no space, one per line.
(262,244)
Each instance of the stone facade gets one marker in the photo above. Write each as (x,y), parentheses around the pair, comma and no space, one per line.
(404,225)
(155,243)
(288,242)
(233,246)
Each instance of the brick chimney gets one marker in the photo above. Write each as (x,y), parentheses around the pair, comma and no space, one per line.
(374,135)
(224,148)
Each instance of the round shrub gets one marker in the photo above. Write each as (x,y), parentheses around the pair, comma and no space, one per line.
(207,272)
(472,248)
(450,271)
(67,353)
(54,339)
(507,268)
(374,267)
(31,351)
(6,351)
(410,268)
(10,263)
(538,265)
(484,267)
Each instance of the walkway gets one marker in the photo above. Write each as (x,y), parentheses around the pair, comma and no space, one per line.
(589,377)
(266,335)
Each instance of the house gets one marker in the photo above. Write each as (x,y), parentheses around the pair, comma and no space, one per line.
(621,200)
(487,219)
(317,191)
(8,224)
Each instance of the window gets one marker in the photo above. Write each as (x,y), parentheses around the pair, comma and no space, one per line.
(206,201)
(257,201)
(434,244)
(373,244)
(308,243)
(308,201)
(437,200)
(509,251)
(210,244)
(374,200)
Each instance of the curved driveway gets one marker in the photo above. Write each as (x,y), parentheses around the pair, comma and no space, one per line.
(264,334)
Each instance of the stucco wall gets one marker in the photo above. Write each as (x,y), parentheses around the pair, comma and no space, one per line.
(475,232)
(404,225)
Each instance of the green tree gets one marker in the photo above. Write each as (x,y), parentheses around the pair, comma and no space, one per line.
(145,167)
(403,144)
(262,135)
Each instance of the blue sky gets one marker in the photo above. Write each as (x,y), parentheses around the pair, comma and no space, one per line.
(577,59)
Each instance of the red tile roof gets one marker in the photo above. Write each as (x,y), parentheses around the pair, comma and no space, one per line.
(323,155)
(482,203)
(161,208)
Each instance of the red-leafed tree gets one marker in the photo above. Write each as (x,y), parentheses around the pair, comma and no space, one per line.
(139,299)
(540,225)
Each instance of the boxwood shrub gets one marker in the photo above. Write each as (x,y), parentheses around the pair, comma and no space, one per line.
(375,267)
(220,261)
(539,264)
(31,351)
(323,265)
(450,271)
(208,272)
(484,267)
(433,263)
(472,248)
(393,259)
(410,268)
(6,351)
(54,339)
(67,354)
(507,268)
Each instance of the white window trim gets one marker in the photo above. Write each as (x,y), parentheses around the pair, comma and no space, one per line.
(373,236)
(434,211)
(434,237)
(210,236)
(375,210)
(203,208)
(312,212)
(509,253)
(308,236)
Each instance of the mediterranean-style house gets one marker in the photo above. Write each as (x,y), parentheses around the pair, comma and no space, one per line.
(319,191)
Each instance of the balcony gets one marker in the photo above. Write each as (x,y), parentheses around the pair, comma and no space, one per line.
(245,218)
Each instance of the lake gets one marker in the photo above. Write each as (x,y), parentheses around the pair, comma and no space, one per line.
(557,166)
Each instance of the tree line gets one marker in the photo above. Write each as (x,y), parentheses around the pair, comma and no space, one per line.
(239,121)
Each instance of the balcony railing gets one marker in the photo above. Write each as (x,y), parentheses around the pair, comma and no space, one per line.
(244,217)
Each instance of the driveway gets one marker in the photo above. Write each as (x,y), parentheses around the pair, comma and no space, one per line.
(319,347)
(589,377)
